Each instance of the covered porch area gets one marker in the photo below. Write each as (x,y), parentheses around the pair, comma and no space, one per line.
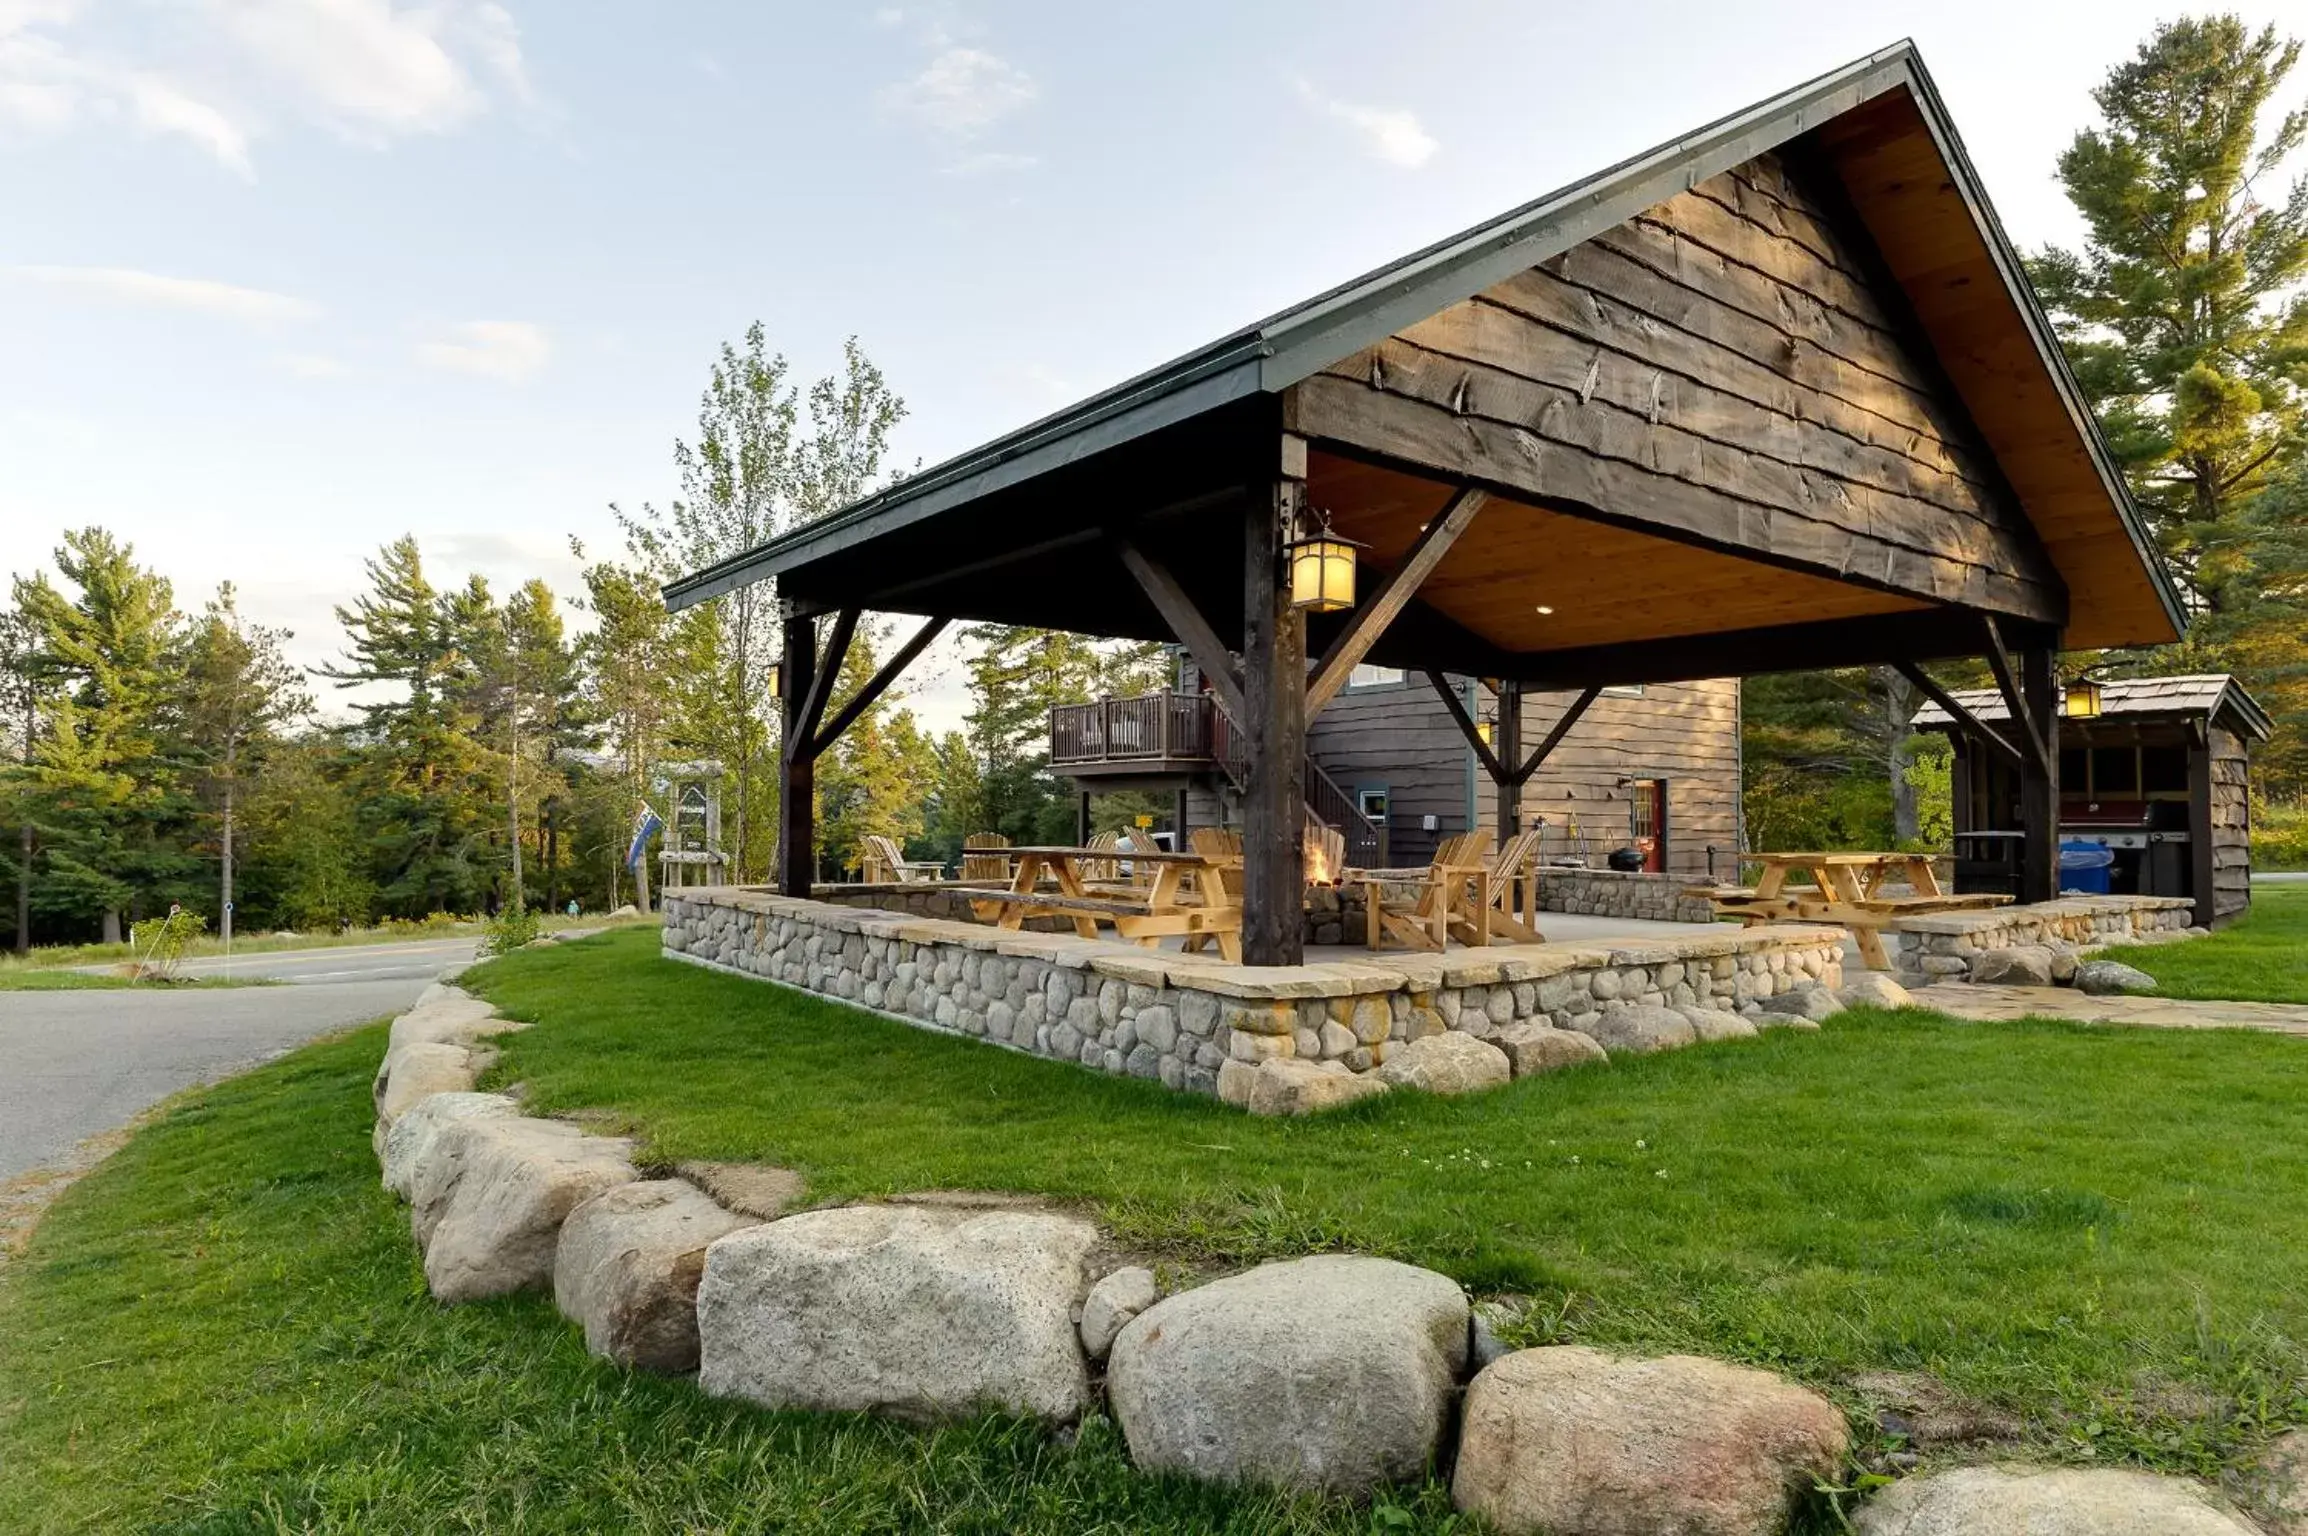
(1775,396)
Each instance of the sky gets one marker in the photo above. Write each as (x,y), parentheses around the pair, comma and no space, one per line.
(281,280)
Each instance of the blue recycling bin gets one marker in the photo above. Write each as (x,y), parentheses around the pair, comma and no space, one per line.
(2084,867)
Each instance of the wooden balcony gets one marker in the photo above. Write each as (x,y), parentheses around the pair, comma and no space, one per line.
(1155,733)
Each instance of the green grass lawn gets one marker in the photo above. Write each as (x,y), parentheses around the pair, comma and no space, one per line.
(34,979)
(209,946)
(224,1329)
(2262,957)
(2064,1220)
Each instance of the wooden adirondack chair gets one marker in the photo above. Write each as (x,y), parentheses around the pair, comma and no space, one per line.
(981,866)
(1438,903)
(882,863)
(1222,845)
(1517,861)
(1100,870)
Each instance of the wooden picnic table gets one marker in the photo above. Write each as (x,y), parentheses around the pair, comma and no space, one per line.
(1161,909)
(1850,893)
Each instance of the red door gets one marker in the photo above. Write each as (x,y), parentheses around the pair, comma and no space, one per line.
(1647,822)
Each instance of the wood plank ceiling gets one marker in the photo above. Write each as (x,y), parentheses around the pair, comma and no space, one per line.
(1604,583)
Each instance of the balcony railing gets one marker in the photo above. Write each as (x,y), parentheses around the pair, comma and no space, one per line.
(1161,732)
(1153,728)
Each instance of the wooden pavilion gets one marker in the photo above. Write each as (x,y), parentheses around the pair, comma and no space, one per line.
(1775,395)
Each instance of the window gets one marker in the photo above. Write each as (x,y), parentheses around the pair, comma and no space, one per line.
(1368,676)
(1372,804)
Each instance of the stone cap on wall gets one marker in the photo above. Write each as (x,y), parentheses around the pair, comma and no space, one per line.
(1209,973)
(1990,918)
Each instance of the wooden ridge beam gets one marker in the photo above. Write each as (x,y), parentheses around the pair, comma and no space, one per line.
(1178,610)
(1555,736)
(1374,614)
(876,686)
(1466,725)
(1967,722)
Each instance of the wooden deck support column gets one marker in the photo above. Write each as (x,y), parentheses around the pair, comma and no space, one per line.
(797,765)
(1509,735)
(2040,778)
(1274,725)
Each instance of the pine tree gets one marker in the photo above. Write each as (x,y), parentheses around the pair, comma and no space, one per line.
(24,686)
(1017,675)
(109,799)
(240,692)
(2183,312)
(422,784)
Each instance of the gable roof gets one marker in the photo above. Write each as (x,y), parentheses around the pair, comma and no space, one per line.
(1285,348)
(2209,694)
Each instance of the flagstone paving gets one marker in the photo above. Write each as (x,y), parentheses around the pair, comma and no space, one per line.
(1966,1000)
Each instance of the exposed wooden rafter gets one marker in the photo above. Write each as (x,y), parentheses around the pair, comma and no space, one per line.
(2015,698)
(876,686)
(1458,711)
(1375,613)
(1178,610)
(801,738)
(1970,724)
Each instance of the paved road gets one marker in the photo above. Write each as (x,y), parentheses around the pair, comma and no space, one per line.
(73,1064)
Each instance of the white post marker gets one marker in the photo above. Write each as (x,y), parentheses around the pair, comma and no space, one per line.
(228,940)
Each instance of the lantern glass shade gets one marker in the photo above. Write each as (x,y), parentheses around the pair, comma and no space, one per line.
(1484,731)
(777,679)
(1322,573)
(2081,700)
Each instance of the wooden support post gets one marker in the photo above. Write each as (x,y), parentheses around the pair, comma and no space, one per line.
(1273,722)
(797,768)
(2040,777)
(1082,821)
(1508,733)
(2203,862)
(1178,822)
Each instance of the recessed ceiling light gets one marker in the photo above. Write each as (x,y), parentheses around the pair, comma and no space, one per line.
(1543,608)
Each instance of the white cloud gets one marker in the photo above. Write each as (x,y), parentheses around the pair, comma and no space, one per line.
(374,70)
(511,350)
(962,92)
(128,286)
(1391,134)
(219,73)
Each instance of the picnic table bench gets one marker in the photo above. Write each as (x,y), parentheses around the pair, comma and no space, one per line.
(1848,890)
(1164,908)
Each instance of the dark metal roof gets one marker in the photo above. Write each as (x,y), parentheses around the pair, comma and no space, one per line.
(1282,349)
(2201,693)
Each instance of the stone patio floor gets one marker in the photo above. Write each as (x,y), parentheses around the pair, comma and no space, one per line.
(1966,1000)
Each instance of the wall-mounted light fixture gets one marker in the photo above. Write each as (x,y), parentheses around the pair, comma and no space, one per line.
(1321,567)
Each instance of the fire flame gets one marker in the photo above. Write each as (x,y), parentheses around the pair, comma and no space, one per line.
(1318,870)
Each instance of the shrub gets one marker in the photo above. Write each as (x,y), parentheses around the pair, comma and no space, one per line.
(158,943)
(512,927)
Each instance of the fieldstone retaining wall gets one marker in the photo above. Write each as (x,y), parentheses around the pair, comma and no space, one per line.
(1178,1018)
(1613,893)
(1930,949)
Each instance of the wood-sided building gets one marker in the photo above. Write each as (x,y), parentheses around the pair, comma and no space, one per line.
(1773,396)
(2160,777)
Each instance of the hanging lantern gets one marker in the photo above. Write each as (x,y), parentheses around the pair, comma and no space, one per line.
(2081,700)
(1486,731)
(777,679)
(1321,569)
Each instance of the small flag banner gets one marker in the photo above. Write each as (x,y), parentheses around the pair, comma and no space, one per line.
(644,825)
